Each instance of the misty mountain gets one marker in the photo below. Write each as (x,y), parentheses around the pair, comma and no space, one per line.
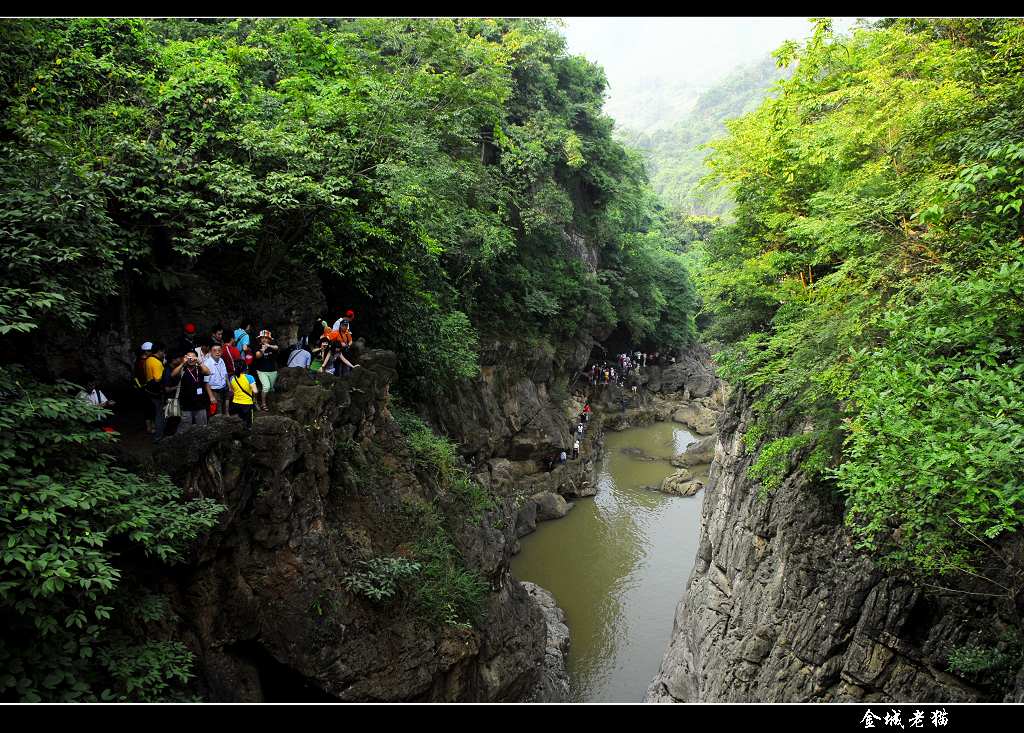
(672,146)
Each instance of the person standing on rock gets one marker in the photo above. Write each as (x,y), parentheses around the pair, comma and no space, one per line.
(350,315)
(300,357)
(242,337)
(217,335)
(243,389)
(265,363)
(561,457)
(217,381)
(154,370)
(193,398)
(576,449)
(230,353)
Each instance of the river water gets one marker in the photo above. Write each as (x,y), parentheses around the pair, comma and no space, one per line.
(617,564)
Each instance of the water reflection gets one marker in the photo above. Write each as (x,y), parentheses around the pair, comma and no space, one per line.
(617,565)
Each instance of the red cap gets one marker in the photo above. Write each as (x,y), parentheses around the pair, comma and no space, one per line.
(350,314)
(190,328)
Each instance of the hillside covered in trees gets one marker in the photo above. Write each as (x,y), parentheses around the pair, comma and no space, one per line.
(675,154)
(871,290)
(452,179)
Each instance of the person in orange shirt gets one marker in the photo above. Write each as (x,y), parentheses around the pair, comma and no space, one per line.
(341,336)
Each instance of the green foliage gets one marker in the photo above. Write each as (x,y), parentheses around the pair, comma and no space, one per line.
(378,577)
(871,285)
(153,671)
(676,154)
(470,495)
(439,456)
(430,452)
(448,592)
(988,666)
(69,519)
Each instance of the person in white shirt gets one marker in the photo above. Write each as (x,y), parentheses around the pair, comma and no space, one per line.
(576,449)
(217,381)
(95,396)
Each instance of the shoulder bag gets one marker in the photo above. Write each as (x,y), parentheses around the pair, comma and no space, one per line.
(173,407)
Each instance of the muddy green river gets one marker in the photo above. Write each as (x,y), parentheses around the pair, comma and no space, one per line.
(617,564)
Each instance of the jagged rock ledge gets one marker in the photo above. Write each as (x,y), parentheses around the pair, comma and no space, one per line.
(554,680)
(323,483)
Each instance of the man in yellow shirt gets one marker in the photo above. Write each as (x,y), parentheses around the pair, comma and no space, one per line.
(153,371)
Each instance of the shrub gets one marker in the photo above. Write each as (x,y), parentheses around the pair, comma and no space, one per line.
(430,451)
(988,665)
(72,632)
(379,577)
(448,592)
(476,499)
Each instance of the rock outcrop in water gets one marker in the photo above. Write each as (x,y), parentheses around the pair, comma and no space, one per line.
(554,682)
(780,607)
(681,483)
(325,482)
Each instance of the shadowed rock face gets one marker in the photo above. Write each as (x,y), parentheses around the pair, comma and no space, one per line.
(322,483)
(780,607)
(554,683)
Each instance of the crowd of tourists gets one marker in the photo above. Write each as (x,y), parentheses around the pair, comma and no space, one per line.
(605,373)
(225,371)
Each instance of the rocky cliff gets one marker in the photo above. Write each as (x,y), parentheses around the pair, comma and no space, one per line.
(781,607)
(320,486)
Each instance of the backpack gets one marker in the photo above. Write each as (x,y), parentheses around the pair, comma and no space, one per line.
(149,387)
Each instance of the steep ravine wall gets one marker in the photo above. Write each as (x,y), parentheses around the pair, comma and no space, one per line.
(781,607)
(323,482)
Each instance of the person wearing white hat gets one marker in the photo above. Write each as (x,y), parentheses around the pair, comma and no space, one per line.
(149,375)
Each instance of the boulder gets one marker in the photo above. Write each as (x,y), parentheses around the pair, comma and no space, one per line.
(550,506)
(696,454)
(699,419)
(638,454)
(526,519)
(681,483)
(554,679)
(502,476)
(693,372)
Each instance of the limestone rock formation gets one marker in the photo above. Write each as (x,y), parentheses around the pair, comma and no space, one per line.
(323,483)
(680,483)
(697,418)
(550,506)
(554,679)
(696,454)
(781,607)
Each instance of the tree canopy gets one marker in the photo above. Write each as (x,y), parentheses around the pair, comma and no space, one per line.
(871,286)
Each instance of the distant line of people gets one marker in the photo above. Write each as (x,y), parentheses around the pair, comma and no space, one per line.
(581,427)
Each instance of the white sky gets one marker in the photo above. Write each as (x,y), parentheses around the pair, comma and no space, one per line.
(694,51)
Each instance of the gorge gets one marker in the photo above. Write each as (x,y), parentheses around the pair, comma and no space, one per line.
(807,489)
